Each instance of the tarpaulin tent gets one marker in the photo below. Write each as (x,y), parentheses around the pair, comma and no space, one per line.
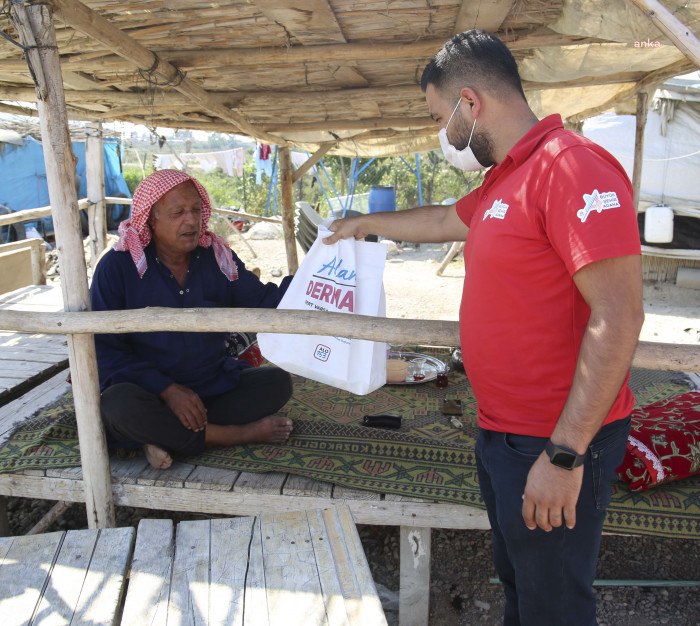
(24,183)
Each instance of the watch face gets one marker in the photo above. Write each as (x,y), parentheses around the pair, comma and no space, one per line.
(563,459)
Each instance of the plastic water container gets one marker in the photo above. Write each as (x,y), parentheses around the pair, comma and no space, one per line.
(658,224)
(381,198)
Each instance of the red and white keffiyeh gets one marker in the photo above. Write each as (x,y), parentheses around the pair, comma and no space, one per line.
(135,233)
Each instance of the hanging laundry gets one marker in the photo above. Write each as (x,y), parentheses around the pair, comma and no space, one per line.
(261,165)
(265,152)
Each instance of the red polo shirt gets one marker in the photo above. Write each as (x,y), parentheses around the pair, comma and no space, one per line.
(555,203)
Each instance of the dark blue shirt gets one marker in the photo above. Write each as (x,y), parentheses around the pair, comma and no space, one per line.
(156,360)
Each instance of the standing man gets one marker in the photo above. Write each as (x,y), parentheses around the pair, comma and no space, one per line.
(549,320)
(179,392)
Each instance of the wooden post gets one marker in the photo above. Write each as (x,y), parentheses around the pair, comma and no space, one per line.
(414,553)
(290,243)
(642,99)
(35,27)
(95,172)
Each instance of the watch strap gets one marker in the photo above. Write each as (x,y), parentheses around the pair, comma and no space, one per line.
(563,457)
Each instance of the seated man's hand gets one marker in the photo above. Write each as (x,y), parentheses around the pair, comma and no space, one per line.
(346,228)
(187,406)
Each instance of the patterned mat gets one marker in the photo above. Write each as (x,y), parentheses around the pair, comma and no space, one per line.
(427,458)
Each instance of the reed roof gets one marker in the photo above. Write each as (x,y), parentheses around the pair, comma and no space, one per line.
(346,72)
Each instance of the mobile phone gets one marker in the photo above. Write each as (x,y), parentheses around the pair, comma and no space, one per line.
(385,420)
(451,406)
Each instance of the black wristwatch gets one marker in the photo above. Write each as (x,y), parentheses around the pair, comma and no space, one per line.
(563,457)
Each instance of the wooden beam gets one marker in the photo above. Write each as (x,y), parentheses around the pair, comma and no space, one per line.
(681,36)
(649,355)
(486,14)
(290,242)
(312,160)
(641,122)
(81,18)
(649,83)
(34,24)
(295,54)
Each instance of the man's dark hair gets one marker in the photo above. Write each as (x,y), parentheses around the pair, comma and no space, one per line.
(476,58)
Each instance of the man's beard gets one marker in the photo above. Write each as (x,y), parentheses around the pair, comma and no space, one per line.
(481,144)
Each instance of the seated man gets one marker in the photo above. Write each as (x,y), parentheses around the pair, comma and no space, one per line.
(177,392)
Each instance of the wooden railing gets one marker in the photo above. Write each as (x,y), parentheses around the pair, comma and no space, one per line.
(649,355)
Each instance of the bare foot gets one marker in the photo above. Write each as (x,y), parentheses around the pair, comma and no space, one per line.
(270,429)
(157,457)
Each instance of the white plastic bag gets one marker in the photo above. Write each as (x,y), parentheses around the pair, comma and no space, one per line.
(345,277)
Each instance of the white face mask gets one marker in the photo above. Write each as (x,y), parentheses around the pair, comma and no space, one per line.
(461,159)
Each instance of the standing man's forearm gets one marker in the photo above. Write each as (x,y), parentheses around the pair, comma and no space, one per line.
(426,224)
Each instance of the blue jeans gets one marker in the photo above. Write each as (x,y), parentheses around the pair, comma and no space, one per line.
(547,576)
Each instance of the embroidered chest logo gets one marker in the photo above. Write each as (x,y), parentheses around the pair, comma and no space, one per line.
(598,202)
(497,210)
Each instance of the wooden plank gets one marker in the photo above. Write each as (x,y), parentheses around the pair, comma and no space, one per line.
(189,591)
(256,613)
(414,555)
(357,583)
(302,486)
(269,483)
(46,297)
(211,478)
(174,476)
(378,512)
(127,471)
(230,541)
(328,572)
(347,493)
(59,601)
(103,587)
(23,575)
(294,595)
(149,584)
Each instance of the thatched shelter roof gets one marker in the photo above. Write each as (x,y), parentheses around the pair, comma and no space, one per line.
(309,72)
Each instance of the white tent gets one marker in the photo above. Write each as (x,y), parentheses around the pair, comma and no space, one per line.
(671,161)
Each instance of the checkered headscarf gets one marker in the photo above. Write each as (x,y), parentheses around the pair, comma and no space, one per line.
(135,233)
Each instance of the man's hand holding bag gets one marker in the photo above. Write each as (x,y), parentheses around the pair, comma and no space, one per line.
(344,277)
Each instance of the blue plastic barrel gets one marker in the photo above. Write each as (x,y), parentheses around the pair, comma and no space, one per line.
(381,198)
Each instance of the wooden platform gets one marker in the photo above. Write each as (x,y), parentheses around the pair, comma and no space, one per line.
(192,488)
(298,568)
(28,359)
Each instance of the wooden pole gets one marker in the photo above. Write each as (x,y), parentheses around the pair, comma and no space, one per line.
(312,160)
(641,118)
(35,27)
(95,172)
(681,36)
(290,242)
(649,355)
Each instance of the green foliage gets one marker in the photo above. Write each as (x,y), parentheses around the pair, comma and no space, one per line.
(439,182)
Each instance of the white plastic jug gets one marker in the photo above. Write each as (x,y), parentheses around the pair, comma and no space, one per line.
(658,224)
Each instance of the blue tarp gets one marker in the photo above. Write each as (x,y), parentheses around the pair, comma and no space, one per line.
(23,175)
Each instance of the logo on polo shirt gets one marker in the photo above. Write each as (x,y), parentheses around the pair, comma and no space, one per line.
(598,202)
(497,210)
